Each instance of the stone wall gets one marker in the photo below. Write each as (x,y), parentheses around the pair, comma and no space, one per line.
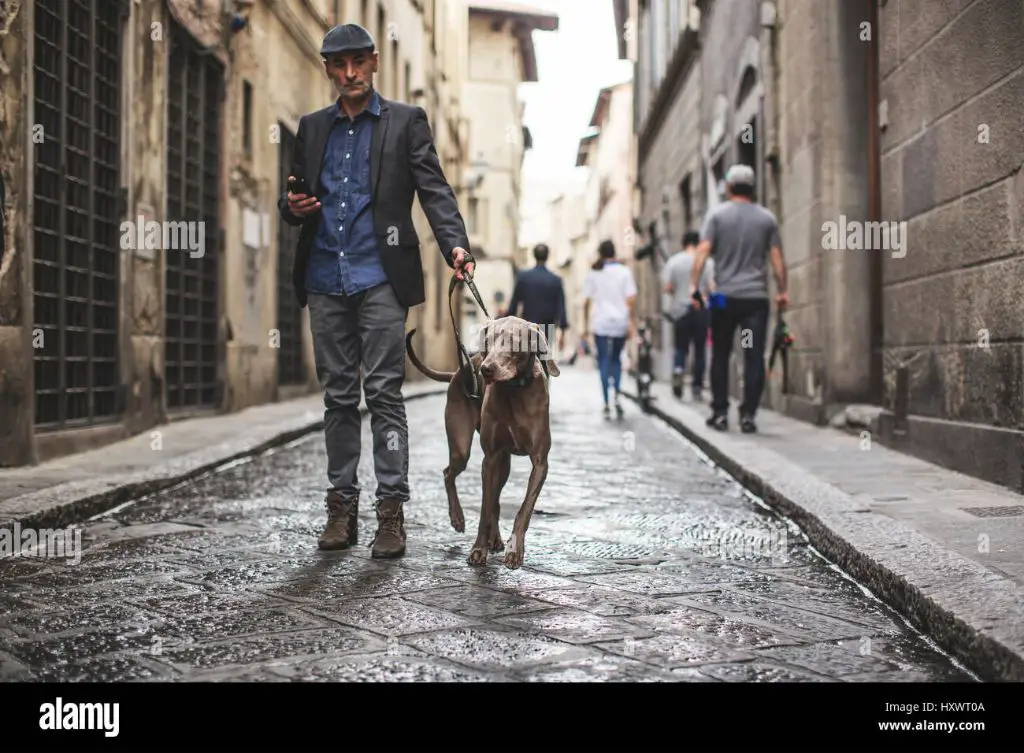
(952,91)
(673,154)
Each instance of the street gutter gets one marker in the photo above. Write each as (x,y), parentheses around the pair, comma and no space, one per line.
(970,618)
(74,502)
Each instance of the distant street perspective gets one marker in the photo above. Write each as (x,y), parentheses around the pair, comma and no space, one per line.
(643,563)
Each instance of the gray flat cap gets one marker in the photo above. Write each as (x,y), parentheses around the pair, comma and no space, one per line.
(346,38)
(740,175)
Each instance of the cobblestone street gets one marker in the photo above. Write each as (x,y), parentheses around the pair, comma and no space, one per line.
(642,563)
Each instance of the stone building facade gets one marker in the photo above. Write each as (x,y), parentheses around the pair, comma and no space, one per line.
(608,154)
(501,58)
(695,115)
(175,111)
(862,113)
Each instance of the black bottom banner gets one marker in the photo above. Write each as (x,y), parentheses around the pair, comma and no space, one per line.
(511,717)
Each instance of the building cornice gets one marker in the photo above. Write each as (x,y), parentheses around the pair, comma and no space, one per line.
(284,11)
(687,51)
(524,21)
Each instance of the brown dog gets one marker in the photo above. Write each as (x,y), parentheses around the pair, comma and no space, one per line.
(512,417)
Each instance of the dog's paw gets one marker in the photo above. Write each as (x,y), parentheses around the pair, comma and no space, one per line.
(513,560)
(496,544)
(457,520)
(514,555)
(477,556)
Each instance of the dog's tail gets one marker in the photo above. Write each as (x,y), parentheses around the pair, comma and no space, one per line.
(437,376)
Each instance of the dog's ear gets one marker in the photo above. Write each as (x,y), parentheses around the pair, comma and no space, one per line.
(539,346)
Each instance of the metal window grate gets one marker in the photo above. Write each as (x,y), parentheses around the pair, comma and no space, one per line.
(291,368)
(195,88)
(76,270)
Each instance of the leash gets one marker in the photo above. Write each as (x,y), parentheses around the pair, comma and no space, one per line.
(475,388)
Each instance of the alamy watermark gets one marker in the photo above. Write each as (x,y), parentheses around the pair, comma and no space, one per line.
(534,339)
(62,715)
(854,235)
(48,543)
(167,236)
(771,544)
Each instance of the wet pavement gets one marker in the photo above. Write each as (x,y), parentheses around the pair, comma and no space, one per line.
(642,562)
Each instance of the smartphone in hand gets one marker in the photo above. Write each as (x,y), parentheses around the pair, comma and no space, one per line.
(298,186)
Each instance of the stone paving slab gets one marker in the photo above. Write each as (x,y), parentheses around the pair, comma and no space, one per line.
(897,524)
(69,489)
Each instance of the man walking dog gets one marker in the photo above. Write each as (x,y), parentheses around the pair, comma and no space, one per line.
(357,165)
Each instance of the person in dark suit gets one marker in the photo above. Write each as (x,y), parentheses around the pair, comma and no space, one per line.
(542,295)
(358,267)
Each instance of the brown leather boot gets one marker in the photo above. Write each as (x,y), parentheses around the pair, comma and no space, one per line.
(390,539)
(342,530)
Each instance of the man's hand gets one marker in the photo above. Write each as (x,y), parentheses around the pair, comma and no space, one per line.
(561,340)
(463,269)
(782,301)
(632,331)
(301,205)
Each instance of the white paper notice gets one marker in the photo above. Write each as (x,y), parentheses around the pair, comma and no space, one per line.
(251,228)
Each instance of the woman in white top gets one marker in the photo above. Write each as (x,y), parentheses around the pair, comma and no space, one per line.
(612,289)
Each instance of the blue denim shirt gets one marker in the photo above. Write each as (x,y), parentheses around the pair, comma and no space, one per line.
(345,256)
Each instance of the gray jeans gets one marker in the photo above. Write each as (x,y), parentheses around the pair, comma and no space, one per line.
(368,330)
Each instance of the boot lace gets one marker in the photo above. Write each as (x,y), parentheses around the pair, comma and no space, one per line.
(338,511)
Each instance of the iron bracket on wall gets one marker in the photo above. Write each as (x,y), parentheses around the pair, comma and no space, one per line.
(902,401)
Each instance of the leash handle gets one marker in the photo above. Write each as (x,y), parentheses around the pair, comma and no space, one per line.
(468,280)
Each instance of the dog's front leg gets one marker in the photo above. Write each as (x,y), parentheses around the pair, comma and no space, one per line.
(491,468)
(517,541)
(495,543)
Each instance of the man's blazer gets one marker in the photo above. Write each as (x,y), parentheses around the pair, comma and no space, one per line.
(403,163)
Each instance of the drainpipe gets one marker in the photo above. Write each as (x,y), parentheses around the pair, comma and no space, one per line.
(877,389)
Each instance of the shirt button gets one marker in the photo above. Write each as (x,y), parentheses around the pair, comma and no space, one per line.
(351,133)
(343,203)
(347,156)
(341,253)
(345,181)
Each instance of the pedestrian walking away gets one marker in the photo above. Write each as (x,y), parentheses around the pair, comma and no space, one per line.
(542,296)
(690,323)
(357,166)
(611,289)
(741,237)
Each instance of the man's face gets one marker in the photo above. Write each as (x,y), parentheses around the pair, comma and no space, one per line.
(352,73)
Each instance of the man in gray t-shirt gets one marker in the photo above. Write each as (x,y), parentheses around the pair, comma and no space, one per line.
(742,237)
(690,324)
